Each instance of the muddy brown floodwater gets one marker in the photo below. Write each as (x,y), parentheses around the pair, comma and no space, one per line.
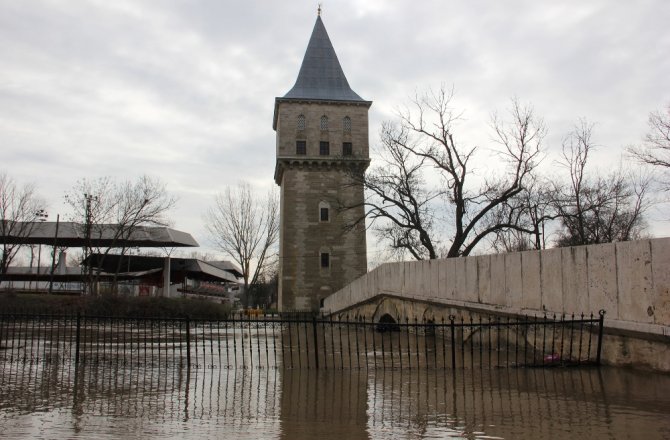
(55,400)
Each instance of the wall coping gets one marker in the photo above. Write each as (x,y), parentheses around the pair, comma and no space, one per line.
(625,277)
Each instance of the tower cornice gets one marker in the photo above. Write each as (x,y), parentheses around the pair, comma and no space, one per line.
(352,163)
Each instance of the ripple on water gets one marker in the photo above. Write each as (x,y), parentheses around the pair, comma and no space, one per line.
(112,401)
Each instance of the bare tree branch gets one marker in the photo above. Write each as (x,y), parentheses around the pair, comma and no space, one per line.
(656,151)
(247,229)
(594,208)
(398,202)
(103,205)
(530,211)
(19,207)
(422,140)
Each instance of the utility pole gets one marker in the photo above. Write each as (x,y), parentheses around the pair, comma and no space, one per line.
(88,199)
(41,216)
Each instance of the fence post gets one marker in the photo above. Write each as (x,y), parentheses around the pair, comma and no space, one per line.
(600,335)
(188,343)
(453,342)
(77,339)
(316,343)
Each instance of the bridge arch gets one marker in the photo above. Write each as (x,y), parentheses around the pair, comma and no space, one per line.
(386,307)
(499,336)
(387,323)
(428,317)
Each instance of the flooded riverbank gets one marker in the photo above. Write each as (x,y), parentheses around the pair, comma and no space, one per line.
(55,400)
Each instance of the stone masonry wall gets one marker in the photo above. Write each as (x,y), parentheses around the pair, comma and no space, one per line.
(303,281)
(629,280)
(309,182)
(287,132)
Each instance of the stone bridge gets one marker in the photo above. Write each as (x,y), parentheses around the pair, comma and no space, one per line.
(629,280)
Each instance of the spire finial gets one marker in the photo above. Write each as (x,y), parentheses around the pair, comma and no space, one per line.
(318,11)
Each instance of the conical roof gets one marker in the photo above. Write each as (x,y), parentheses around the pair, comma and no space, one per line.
(321,76)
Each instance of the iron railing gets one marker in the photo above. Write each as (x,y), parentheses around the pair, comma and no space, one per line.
(271,341)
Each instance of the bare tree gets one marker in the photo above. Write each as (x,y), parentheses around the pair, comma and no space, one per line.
(473,205)
(532,210)
(198,255)
(19,210)
(595,208)
(114,210)
(265,291)
(246,228)
(656,151)
(399,202)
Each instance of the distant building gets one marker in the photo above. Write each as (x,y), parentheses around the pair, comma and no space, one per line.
(322,138)
(132,275)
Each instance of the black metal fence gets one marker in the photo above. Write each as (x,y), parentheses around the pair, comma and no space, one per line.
(314,343)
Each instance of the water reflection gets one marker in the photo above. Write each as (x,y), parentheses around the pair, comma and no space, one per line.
(520,403)
(324,404)
(137,402)
(55,400)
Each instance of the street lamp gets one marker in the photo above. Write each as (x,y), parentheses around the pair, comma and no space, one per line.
(53,256)
(41,216)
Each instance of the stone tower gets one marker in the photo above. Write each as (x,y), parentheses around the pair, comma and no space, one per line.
(322,141)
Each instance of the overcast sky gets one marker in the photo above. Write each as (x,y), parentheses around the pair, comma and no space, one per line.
(185,90)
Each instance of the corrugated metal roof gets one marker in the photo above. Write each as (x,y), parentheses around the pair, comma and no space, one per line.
(227,266)
(72,234)
(137,263)
(213,271)
(321,77)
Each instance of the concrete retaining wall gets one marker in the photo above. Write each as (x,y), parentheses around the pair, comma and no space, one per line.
(630,281)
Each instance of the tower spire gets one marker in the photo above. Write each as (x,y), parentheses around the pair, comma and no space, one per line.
(321,77)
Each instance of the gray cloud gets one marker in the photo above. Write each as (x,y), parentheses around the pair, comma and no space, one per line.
(185,90)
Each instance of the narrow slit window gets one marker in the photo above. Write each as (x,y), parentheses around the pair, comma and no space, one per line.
(324,211)
(324,123)
(325,260)
(302,122)
(347,149)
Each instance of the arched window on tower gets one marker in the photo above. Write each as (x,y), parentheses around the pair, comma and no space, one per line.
(324,123)
(302,122)
(346,124)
